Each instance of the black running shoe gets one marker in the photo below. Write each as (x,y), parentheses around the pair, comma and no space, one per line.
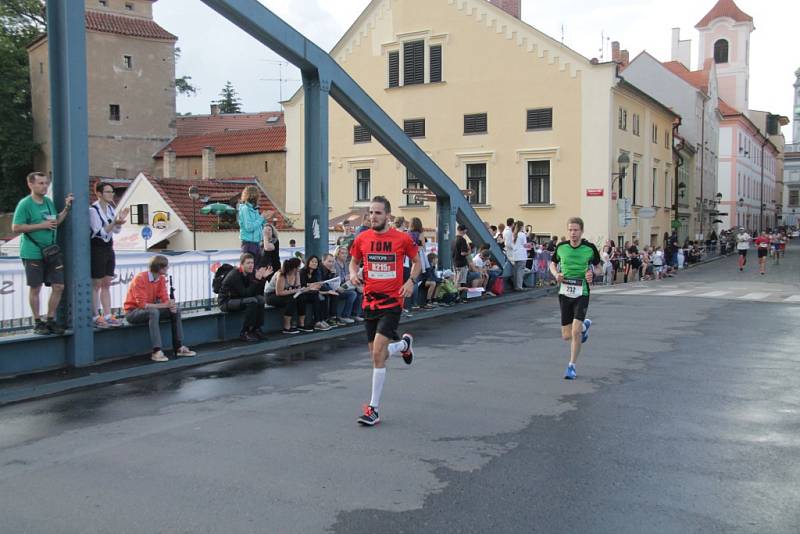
(305,328)
(408,354)
(41,328)
(55,328)
(370,416)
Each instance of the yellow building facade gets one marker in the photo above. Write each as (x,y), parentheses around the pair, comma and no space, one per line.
(527,124)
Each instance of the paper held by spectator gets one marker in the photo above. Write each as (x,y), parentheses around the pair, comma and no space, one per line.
(333,283)
(473,292)
(300,291)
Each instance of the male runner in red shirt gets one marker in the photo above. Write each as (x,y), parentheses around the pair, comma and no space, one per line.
(383,251)
(762,246)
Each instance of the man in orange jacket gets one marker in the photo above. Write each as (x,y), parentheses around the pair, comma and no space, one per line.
(147,301)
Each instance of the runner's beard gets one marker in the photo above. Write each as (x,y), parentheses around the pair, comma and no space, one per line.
(379,228)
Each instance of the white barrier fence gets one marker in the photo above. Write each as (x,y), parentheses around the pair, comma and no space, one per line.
(192,274)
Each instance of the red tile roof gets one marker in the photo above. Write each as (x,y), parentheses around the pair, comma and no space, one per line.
(205,124)
(727,110)
(175,192)
(230,142)
(122,25)
(697,78)
(724,8)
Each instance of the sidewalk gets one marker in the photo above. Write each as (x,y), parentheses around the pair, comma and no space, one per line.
(45,384)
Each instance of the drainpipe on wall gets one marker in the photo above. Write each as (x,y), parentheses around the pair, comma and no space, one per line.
(676,151)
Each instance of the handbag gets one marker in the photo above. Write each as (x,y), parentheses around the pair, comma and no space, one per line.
(51,254)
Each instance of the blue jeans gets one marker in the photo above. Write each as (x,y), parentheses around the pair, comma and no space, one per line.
(345,303)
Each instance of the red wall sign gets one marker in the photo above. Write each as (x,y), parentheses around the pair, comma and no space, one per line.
(595,192)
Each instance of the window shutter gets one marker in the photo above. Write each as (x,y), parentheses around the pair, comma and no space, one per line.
(414,127)
(475,123)
(414,63)
(394,69)
(540,119)
(361,134)
(436,63)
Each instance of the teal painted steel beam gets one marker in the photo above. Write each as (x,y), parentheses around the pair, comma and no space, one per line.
(269,29)
(66,34)
(316,94)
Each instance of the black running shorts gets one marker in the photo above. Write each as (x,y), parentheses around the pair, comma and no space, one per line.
(763,252)
(383,322)
(573,309)
(743,253)
(37,272)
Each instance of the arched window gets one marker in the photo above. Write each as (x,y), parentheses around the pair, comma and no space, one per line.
(721,51)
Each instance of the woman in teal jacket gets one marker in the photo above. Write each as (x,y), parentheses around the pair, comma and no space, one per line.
(251,222)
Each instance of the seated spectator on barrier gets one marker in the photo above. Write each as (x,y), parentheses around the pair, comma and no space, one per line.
(331,298)
(309,281)
(243,289)
(447,291)
(36,218)
(489,272)
(270,250)
(429,281)
(349,304)
(147,302)
(280,292)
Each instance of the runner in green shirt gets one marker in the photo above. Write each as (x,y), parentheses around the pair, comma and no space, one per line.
(36,219)
(579,262)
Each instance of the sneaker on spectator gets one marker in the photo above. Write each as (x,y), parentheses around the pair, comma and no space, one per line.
(407,313)
(358,319)
(185,351)
(347,320)
(114,322)
(40,328)
(322,325)
(429,306)
(158,356)
(260,334)
(248,337)
(55,328)
(304,328)
(100,322)
(334,322)
(290,331)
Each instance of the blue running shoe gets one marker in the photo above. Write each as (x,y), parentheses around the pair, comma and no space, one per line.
(588,324)
(570,373)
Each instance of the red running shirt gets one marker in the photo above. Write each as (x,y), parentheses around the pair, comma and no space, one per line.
(762,242)
(383,256)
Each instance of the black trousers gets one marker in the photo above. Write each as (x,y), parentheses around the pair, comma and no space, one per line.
(253,311)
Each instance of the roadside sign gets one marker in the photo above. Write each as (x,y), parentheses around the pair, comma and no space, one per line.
(468,192)
(647,213)
(422,198)
(147,233)
(416,191)
(595,192)
(624,211)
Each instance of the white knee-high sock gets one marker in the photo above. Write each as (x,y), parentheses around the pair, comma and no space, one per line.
(378,378)
(397,347)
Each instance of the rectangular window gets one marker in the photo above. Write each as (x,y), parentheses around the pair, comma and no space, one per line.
(666,139)
(655,133)
(361,134)
(667,197)
(412,182)
(540,119)
(476,180)
(538,182)
(619,119)
(414,127)
(436,63)
(635,121)
(103,3)
(266,166)
(414,63)
(127,62)
(362,185)
(41,68)
(139,214)
(113,112)
(394,69)
(794,197)
(129,6)
(634,181)
(655,181)
(475,123)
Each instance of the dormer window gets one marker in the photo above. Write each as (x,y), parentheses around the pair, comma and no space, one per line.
(129,6)
(721,51)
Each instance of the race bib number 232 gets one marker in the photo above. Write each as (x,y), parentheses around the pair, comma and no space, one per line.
(571,288)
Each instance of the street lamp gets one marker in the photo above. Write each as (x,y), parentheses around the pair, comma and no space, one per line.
(622,161)
(194,194)
(682,189)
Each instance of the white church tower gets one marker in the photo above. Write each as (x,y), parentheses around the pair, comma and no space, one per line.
(725,40)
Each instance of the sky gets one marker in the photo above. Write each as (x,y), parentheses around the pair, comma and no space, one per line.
(213,50)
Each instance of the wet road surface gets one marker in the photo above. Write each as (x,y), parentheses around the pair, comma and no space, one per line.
(684,419)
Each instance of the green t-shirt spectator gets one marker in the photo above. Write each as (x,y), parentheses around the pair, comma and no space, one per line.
(30,212)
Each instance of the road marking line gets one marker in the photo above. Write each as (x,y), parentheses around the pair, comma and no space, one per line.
(673,292)
(607,290)
(638,292)
(712,294)
(754,296)
(793,298)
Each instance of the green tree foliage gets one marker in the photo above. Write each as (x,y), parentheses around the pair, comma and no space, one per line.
(21,21)
(229,101)
(183,84)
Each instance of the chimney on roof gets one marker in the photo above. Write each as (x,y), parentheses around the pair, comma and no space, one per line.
(512,7)
(615,51)
(681,49)
(215,109)
(170,163)
(209,163)
(619,56)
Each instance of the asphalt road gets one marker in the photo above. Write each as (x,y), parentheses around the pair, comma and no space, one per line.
(684,419)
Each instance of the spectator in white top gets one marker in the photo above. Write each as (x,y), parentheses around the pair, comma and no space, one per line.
(507,240)
(104,222)
(518,253)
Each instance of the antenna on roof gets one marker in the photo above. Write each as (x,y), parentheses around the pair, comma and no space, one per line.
(280,79)
(562,33)
(603,40)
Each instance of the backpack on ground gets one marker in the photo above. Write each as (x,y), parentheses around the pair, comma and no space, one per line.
(219,276)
